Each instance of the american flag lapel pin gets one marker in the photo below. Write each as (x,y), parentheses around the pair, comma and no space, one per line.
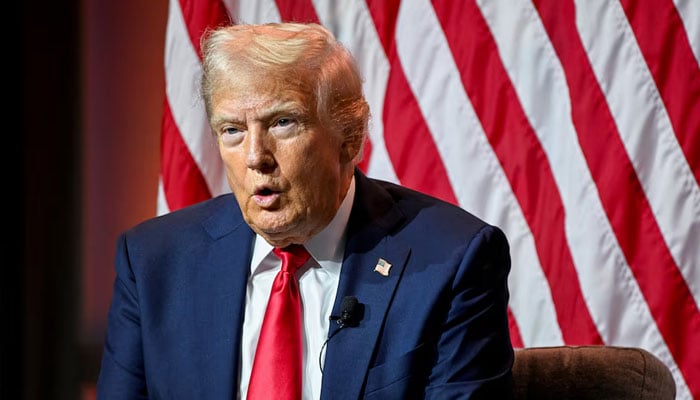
(383,267)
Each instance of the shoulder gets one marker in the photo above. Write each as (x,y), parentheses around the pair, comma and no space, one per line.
(431,225)
(213,217)
(431,212)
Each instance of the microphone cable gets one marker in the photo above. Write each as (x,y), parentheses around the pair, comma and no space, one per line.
(348,317)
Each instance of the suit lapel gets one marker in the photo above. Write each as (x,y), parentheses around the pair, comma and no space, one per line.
(220,294)
(349,353)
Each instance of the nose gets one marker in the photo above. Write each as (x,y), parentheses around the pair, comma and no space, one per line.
(258,153)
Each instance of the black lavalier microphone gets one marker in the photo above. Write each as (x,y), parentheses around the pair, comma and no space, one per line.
(351,313)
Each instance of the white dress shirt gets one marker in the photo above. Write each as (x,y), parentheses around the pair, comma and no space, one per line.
(318,283)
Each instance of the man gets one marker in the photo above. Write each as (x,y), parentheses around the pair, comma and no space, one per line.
(403,296)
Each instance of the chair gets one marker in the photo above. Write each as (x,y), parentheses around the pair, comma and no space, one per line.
(590,372)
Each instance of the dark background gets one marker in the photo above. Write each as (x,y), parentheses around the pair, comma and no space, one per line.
(80,164)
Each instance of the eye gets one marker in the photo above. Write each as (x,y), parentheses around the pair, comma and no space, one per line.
(284,127)
(230,136)
(283,122)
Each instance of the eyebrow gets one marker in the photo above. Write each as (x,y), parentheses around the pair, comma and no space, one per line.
(288,107)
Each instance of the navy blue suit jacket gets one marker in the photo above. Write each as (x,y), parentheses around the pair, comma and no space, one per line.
(436,327)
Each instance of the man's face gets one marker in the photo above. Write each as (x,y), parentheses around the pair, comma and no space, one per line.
(288,173)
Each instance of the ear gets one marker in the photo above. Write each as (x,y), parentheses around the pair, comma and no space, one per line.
(351,146)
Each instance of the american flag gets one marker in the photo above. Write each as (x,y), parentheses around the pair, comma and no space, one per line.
(573,125)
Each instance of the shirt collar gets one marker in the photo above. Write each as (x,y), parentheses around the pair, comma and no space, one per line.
(329,244)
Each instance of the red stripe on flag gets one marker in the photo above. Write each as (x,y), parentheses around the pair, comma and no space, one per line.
(630,215)
(297,11)
(408,140)
(515,339)
(518,149)
(385,12)
(664,44)
(199,15)
(366,155)
(183,182)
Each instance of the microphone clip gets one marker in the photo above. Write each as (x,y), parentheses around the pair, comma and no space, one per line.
(351,313)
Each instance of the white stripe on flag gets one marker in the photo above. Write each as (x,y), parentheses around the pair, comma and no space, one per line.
(162,203)
(689,11)
(244,12)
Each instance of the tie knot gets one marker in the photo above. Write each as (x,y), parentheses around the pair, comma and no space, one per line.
(292,256)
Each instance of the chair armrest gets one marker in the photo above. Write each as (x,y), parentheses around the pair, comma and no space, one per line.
(590,372)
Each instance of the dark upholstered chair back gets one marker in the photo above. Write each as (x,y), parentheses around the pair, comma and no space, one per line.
(590,372)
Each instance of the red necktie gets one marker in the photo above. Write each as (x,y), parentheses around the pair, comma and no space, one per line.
(277,367)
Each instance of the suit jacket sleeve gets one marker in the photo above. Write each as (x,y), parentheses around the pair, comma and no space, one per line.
(474,354)
(122,370)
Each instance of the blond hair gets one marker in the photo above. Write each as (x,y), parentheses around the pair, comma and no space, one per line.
(305,55)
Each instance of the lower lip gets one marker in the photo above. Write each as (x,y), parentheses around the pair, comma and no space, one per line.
(266,201)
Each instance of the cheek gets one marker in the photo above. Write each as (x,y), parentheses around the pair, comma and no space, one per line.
(317,184)
(235,167)
(233,159)
(318,155)
(314,172)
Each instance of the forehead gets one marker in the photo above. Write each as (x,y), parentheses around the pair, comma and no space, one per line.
(260,100)
(261,94)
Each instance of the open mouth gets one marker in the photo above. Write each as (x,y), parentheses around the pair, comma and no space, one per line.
(264,192)
(266,197)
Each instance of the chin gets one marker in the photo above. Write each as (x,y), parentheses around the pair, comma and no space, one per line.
(272,226)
